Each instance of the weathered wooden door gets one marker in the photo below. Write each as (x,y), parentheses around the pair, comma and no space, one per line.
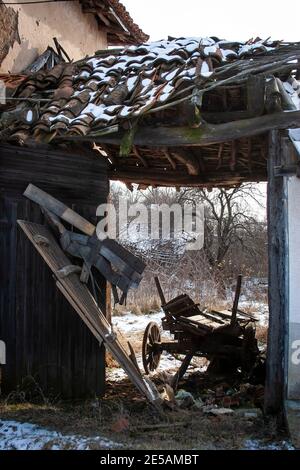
(47,343)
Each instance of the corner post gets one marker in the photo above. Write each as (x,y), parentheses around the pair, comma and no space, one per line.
(278,279)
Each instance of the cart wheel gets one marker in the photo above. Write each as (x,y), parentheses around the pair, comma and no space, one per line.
(151,347)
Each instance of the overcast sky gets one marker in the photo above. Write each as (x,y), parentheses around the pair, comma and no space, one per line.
(232,20)
(237,20)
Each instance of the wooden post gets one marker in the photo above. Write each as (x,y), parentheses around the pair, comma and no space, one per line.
(278,297)
(236,299)
(160,291)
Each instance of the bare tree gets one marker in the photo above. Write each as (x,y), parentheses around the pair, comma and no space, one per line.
(230,220)
(235,242)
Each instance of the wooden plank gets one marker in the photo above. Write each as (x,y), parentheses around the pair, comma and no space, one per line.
(213,322)
(195,324)
(124,262)
(182,370)
(160,291)
(80,178)
(59,208)
(84,304)
(124,255)
(241,316)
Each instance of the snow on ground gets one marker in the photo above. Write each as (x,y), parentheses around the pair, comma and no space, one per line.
(255,444)
(132,324)
(26,436)
(259,309)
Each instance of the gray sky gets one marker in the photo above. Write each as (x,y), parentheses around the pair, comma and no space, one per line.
(225,19)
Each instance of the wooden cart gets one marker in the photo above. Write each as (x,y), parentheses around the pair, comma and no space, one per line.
(226,338)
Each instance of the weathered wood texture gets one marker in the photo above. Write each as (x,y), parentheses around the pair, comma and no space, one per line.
(84,304)
(206,134)
(44,338)
(278,292)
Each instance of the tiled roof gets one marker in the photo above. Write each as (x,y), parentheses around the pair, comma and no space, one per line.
(101,92)
(185,111)
(12,81)
(115,19)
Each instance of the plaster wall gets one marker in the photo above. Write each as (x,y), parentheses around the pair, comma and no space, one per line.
(77,32)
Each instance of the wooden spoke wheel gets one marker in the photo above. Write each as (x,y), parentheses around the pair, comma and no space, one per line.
(151,347)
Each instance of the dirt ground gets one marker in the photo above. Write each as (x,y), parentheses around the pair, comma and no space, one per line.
(123,416)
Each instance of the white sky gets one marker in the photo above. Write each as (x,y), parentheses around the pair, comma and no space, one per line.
(226,19)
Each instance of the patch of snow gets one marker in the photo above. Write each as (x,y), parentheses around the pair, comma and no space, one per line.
(294,91)
(29,116)
(255,444)
(131,323)
(208,50)
(228,53)
(131,82)
(204,68)
(26,436)
(259,309)
(295,134)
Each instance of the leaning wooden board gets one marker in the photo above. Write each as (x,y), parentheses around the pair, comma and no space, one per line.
(84,304)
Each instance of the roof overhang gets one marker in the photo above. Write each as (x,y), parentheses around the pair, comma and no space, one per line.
(114,19)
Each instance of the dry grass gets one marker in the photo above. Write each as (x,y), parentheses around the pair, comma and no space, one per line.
(262,334)
(143,307)
(178,430)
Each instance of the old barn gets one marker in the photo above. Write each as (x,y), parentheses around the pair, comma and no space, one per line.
(181,112)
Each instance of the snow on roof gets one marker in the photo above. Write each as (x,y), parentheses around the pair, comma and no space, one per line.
(106,90)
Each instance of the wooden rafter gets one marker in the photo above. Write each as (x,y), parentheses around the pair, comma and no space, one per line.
(176,178)
(206,134)
(188,159)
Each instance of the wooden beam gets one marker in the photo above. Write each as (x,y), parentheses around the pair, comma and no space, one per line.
(170,159)
(278,300)
(188,159)
(176,178)
(205,134)
(58,208)
(159,290)
(140,157)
